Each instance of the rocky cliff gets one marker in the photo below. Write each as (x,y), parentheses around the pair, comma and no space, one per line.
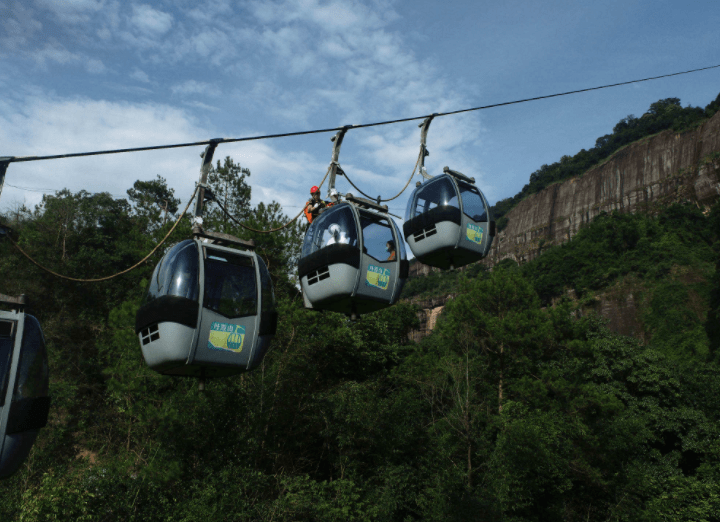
(653,172)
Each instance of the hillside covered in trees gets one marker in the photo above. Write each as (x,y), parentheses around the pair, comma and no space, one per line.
(520,406)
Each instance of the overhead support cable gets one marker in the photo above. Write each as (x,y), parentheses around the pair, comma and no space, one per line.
(21,159)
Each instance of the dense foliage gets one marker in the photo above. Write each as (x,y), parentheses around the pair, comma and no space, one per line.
(511,410)
(662,115)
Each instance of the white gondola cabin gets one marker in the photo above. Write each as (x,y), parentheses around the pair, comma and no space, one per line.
(209,311)
(447,221)
(353,259)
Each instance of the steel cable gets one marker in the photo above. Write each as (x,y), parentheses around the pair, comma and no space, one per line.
(360,126)
(114,275)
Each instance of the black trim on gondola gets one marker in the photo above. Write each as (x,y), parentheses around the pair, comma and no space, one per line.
(28,414)
(404,269)
(493,228)
(330,255)
(431,217)
(268,323)
(167,308)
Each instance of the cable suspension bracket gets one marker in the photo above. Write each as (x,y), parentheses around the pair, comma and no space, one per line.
(334,165)
(424,126)
(207,157)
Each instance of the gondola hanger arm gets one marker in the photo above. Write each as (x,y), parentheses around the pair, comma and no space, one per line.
(334,165)
(207,157)
(424,126)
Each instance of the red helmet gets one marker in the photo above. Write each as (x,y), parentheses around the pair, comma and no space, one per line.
(314,189)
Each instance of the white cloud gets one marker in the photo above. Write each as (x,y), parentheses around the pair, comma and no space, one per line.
(194,87)
(54,53)
(211,11)
(140,76)
(95,66)
(43,125)
(19,26)
(150,21)
(72,11)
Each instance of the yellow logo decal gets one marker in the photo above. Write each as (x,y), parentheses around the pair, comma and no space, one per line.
(378,277)
(474,233)
(224,336)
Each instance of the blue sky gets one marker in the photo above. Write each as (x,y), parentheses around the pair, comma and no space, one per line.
(82,75)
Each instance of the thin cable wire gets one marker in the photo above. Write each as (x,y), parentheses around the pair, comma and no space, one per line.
(228,214)
(114,275)
(360,126)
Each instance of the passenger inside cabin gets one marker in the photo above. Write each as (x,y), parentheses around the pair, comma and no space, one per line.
(390,248)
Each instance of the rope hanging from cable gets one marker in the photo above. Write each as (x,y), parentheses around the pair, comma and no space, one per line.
(388,199)
(96,280)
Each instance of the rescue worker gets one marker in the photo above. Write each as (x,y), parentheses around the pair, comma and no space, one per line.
(315,205)
(390,248)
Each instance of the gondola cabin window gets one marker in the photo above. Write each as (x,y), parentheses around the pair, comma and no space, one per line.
(32,377)
(336,227)
(177,273)
(438,193)
(473,206)
(376,234)
(230,284)
(266,288)
(6,350)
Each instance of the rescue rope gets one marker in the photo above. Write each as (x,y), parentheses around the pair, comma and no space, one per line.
(272,229)
(396,195)
(114,275)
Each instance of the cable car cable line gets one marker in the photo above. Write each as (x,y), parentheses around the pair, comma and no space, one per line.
(177,222)
(21,159)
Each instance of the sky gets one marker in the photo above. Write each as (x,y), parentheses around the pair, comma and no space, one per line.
(82,75)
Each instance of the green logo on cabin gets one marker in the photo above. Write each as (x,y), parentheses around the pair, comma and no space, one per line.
(474,233)
(224,336)
(378,277)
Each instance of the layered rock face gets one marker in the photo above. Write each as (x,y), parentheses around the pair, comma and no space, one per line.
(656,171)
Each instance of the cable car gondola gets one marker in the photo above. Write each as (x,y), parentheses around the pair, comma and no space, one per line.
(353,259)
(24,375)
(447,221)
(209,310)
